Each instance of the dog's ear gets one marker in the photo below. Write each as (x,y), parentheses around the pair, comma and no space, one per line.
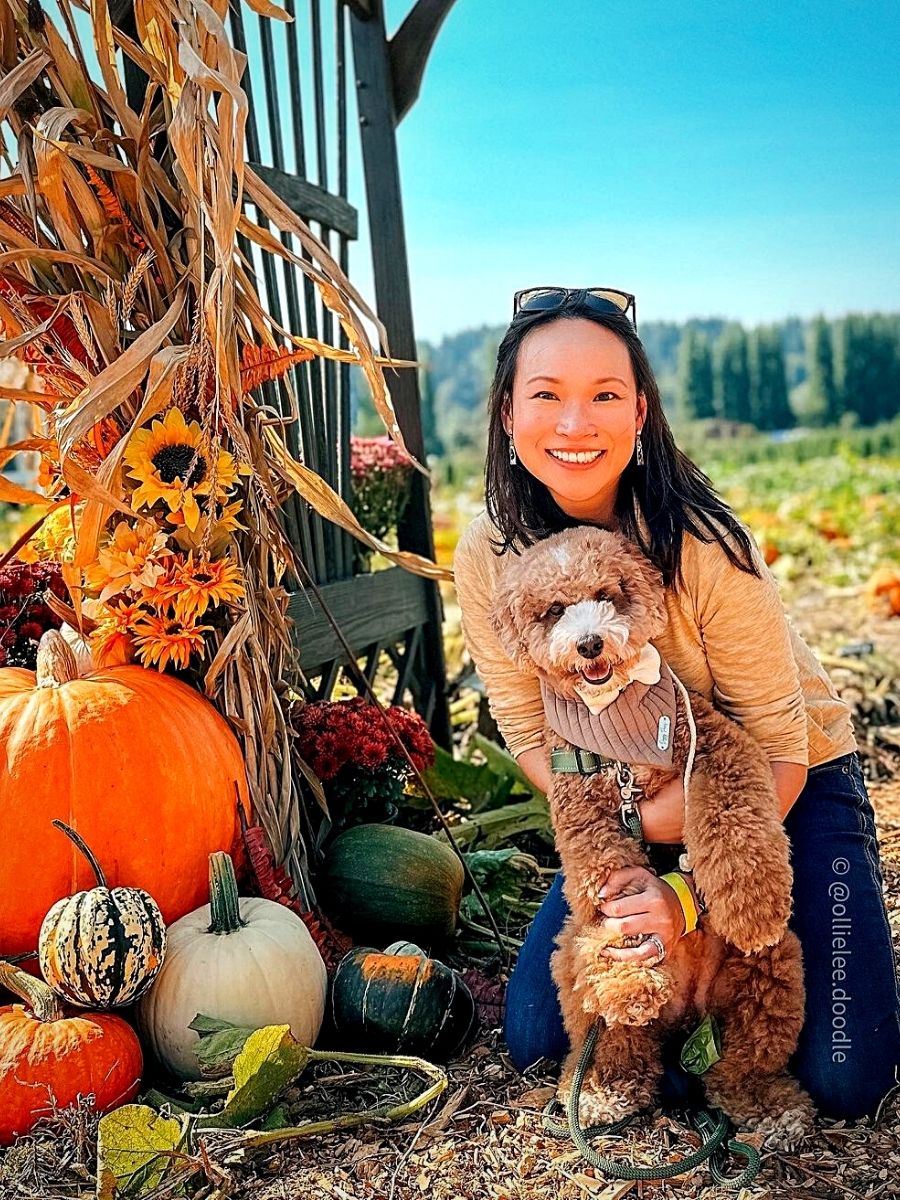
(506,624)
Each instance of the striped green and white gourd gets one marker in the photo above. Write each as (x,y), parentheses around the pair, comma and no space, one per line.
(104,947)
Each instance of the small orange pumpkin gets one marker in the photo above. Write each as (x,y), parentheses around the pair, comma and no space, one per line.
(48,1059)
(883,592)
(141,764)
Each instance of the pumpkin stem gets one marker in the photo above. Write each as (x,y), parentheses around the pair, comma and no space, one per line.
(85,850)
(224,902)
(39,998)
(56,661)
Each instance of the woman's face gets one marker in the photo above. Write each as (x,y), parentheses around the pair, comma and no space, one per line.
(574,391)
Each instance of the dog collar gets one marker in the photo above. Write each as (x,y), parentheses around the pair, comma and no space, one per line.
(576,761)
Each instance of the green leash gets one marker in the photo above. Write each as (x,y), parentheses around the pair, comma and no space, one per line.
(711,1123)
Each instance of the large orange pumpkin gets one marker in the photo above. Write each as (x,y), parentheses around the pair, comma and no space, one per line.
(141,764)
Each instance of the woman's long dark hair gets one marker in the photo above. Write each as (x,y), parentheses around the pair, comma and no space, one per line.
(671,492)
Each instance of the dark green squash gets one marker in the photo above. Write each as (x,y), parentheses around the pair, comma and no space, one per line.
(383,881)
(401,1003)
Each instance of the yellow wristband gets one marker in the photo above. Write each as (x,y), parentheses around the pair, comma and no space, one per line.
(686,899)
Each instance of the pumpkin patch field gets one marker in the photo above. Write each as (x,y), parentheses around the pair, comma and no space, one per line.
(217,1042)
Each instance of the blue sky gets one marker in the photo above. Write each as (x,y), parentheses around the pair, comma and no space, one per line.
(722,158)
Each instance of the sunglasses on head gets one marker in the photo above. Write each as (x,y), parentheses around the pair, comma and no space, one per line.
(605,300)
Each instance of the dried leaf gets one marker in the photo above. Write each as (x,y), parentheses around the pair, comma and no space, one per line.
(259,364)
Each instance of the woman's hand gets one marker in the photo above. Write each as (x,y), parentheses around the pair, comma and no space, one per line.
(652,906)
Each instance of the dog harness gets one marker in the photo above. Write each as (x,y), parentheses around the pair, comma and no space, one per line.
(636,728)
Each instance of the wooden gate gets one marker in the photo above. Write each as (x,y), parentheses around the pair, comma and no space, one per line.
(298,82)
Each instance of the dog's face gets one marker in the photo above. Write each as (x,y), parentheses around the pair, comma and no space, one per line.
(578,608)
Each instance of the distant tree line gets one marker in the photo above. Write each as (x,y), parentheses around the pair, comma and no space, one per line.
(852,369)
(816,373)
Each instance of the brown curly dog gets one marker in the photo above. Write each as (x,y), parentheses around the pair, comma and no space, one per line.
(579,609)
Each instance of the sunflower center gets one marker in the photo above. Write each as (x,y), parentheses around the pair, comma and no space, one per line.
(202,578)
(172,462)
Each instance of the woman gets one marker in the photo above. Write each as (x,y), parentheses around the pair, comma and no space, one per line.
(577,434)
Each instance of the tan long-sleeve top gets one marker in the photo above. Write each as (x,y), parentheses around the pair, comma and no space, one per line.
(728,637)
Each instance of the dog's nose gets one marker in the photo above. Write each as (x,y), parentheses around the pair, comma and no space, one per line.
(590,646)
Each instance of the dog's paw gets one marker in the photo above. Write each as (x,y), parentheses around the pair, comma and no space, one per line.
(752,926)
(604,1103)
(785,1131)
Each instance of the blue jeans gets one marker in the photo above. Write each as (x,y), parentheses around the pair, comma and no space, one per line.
(849,1047)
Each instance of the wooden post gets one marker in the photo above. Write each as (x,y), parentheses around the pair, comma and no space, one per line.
(378,119)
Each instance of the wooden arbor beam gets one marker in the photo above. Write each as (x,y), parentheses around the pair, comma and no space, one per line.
(408,51)
(377,115)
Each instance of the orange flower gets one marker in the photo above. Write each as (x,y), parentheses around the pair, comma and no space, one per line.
(190,587)
(163,639)
(133,559)
(112,642)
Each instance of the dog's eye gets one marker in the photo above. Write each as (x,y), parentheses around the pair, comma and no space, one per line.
(555,610)
(601,595)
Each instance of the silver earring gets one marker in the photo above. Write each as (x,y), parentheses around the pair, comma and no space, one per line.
(513,457)
(639,451)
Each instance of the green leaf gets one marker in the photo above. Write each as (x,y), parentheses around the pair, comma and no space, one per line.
(491,829)
(455,779)
(270,1060)
(219,1045)
(504,876)
(278,1118)
(502,763)
(206,1025)
(136,1148)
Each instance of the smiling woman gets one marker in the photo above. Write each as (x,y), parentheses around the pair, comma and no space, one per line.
(561,428)
(577,435)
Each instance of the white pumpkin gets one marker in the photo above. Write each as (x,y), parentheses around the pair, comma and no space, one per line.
(248,961)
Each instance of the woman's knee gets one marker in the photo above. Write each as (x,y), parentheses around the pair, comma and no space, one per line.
(849,1081)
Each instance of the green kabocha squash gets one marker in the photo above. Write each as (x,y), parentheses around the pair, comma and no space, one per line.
(401,1003)
(101,948)
(251,962)
(384,880)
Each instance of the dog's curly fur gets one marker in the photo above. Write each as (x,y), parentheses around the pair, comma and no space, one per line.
(742,964)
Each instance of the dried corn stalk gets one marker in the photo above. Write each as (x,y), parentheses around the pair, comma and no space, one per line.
(122,287)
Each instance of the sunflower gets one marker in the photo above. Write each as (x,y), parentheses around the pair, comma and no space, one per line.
(171,461)
(133,558)
(162,639)
(190,587)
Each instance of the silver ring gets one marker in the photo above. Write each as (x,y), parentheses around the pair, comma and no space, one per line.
(658,943)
